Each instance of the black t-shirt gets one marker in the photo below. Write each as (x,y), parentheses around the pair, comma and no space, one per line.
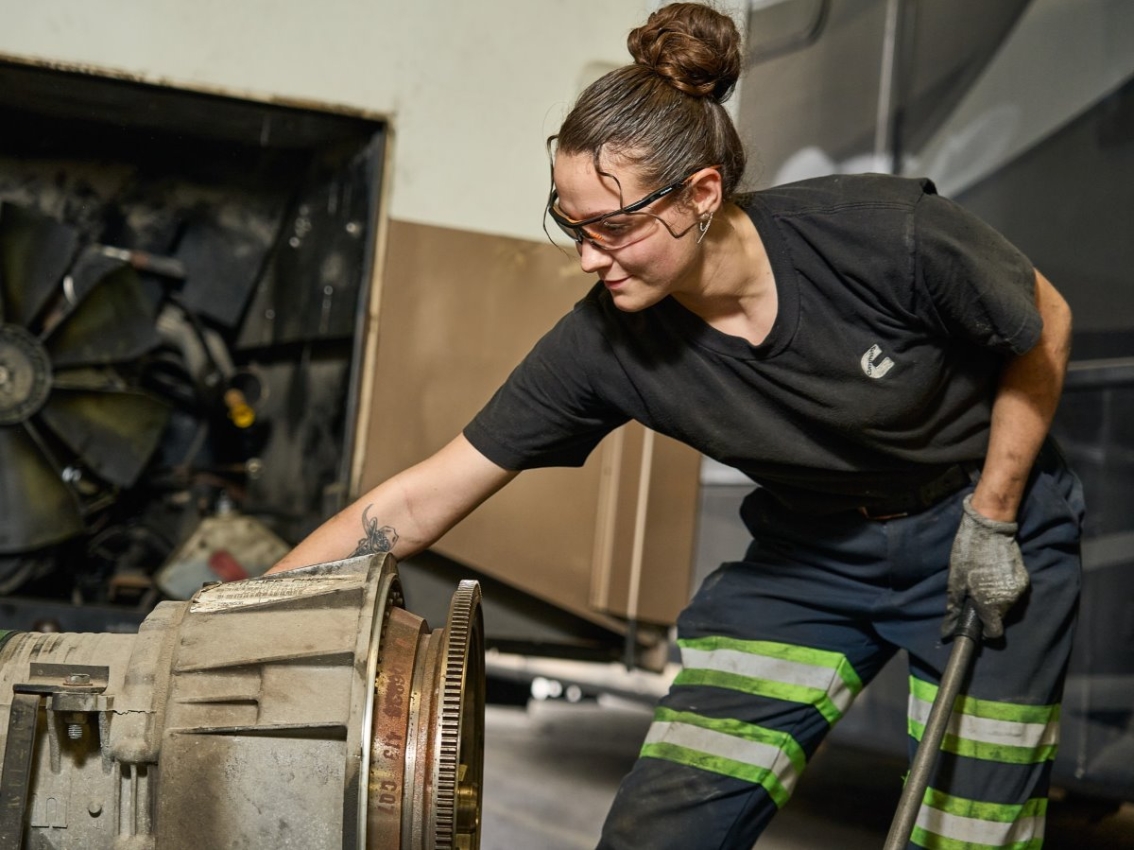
(896,311)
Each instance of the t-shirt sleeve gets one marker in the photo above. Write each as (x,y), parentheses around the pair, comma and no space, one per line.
(549,412)
(980,285)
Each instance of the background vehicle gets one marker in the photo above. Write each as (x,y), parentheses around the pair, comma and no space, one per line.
(1044,150)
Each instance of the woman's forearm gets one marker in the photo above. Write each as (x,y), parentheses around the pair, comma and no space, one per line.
(406,513)
(1028,395)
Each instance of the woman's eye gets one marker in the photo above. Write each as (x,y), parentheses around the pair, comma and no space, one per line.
(611,225)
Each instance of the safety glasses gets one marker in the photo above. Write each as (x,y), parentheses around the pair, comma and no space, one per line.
(621,227)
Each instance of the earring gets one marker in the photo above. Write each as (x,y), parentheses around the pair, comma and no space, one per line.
(703,226)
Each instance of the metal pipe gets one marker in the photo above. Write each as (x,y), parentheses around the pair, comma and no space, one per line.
(887,85)
(965,640)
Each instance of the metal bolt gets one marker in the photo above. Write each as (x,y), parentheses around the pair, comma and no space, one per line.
(79,679)
(76,725)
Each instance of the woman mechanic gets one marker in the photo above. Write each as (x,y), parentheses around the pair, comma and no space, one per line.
(882,363)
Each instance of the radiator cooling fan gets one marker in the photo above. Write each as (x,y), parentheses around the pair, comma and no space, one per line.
(75,428)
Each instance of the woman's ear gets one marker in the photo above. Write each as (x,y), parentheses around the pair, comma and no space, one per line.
(705,192)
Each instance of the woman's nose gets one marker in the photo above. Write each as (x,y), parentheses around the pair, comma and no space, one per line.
(591,259)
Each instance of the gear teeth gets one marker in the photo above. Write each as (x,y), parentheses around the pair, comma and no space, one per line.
(458,634)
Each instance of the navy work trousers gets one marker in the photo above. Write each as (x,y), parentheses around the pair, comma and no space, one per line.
(775,647)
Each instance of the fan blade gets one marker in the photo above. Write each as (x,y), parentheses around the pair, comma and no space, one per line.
(89,379)
(112,324)
(36,508)
(114,433)
(34,253)
(91,266)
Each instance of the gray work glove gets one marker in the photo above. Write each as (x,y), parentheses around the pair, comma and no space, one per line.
(987,567)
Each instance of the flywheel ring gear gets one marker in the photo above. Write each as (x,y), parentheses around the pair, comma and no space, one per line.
(25,375)
(459,766)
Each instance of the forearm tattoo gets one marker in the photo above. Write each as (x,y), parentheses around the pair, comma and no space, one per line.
(377,539)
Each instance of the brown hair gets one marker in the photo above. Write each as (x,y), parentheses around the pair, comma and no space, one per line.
(663,113)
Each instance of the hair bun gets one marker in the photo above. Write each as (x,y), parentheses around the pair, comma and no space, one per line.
(695,48)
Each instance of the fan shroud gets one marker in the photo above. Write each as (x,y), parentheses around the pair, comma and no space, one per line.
(75,426)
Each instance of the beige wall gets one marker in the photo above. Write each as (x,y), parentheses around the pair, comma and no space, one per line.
(458,311)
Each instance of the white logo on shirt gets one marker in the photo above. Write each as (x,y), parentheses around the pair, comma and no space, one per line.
(872,369)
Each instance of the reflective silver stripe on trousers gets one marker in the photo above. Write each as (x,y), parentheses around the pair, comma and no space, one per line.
(728,747)
(977,831)
(988,731)
(772,669)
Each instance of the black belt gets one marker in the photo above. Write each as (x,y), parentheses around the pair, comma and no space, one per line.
(915,501)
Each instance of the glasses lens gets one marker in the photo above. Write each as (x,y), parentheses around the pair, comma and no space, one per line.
(575,234)
(614,230)
(621,229)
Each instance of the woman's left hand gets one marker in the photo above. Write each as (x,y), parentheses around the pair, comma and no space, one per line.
(985,566)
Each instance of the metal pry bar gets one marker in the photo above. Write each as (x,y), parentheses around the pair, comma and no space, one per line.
(966,638)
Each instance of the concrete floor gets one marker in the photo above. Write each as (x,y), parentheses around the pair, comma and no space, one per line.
(552,768)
